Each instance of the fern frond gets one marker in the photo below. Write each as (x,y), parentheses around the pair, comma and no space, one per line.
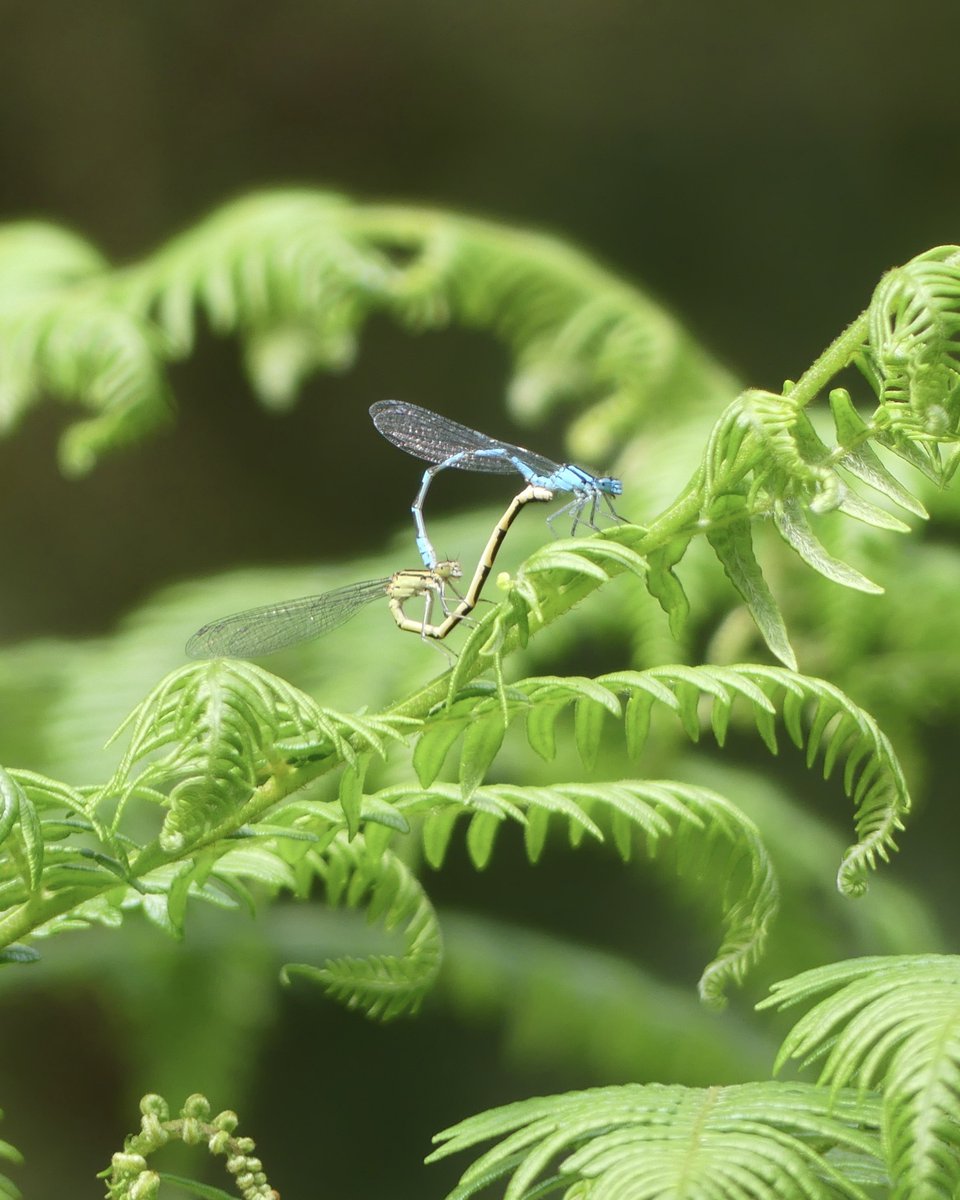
(585,556)
(914,346)
(758,1141)
(381,985)
(61,336)
(36,258)
(817,716)
(297,273)
(38,819)
(766,458)
(891,1024)
(800,840)
(699,822)
(208,732)
(278,263)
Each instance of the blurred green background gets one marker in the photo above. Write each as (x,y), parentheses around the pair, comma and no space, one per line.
(756,166)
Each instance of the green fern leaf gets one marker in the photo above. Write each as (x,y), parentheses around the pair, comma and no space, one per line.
(32,849)
(61,335)
(758,1141)
(588,729)
(350,794)
(382,986)
(890,1023)
(818,717)
(875,781)
(795,531)
(10,792)
(698,821)
(664,586)
(9,1154)
(914,322)
(208,732)
(557,558)
(432,748)
(20,814)
(481,835)
(31,835)
(542,728)
(731,536)
(860,460)
(481,744)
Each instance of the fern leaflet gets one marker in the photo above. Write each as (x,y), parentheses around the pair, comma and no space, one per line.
(757,1141)
(893,1024)
(382,985)
(697,821)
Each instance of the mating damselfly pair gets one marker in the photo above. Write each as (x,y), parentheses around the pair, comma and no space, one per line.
(443,443)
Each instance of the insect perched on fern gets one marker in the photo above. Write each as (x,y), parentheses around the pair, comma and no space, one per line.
(234,786)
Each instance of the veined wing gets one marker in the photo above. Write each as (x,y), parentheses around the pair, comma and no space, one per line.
(273,627)
(429,436)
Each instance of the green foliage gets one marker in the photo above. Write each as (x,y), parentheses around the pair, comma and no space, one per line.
(816,715)
(913,355)
(699,820)
(295,275)
(890,1024)
(236,786)
(751,1141)
(380,985)
(221,723)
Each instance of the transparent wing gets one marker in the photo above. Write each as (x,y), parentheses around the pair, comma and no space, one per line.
(273,627)
(428,436)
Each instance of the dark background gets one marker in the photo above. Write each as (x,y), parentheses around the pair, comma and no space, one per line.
(757,166)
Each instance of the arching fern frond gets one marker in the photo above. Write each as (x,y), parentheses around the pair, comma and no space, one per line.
(60,336)
(36,258)
(382,985)
(757,1141)
(892,1024)
(913,355)
(209,732)
(817,717)
(281,264)
(296,274)
(699,823)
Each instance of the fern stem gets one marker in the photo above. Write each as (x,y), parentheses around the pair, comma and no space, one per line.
(21,921)
(838,355)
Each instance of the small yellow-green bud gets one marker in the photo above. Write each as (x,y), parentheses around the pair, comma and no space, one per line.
(147,1187)
(197,1106)
(155,1106)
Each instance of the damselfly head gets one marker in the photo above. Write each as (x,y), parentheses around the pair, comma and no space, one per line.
(448,569)
(607,483)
